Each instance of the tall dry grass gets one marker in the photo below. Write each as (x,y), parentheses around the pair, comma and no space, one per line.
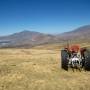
(38,69)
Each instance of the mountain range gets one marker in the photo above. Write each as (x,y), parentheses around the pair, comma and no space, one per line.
(30,38)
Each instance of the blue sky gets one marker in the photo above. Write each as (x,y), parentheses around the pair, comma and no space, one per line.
(46,16)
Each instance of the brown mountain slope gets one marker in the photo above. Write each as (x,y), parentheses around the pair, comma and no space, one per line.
(26,38)
(30,38)
(80,34)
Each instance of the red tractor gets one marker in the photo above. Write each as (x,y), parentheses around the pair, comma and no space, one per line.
(75,57)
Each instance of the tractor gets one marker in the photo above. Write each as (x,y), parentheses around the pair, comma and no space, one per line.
(75,57)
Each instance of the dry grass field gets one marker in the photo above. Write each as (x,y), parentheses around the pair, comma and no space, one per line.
(38,69)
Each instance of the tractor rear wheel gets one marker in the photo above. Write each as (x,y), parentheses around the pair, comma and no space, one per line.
(64,60)
(87,60)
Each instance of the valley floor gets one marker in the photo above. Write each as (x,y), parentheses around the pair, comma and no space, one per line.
(35,69)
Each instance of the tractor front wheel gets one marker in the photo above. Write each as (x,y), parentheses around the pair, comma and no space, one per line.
(64,59)
(87,60)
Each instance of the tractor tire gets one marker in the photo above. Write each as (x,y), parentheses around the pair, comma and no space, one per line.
(87,60)
(64,60)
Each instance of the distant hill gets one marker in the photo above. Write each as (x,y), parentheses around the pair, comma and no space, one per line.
(26,39)
(31,38)
(80,34)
